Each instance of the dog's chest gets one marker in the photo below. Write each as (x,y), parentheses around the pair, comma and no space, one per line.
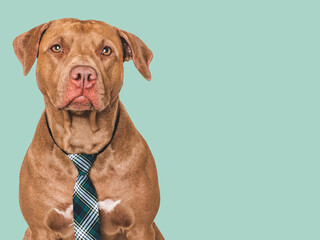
(114,211)
(114,217)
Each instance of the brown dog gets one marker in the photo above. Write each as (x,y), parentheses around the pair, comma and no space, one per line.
(80,74)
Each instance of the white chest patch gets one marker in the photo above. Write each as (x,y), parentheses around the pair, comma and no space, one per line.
(66,213)
(108,205)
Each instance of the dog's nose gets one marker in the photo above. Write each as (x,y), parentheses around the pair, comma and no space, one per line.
(83,76)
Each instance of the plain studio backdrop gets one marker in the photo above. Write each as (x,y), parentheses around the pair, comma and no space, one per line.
(231,114)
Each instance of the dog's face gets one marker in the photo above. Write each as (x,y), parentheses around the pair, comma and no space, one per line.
(80,63)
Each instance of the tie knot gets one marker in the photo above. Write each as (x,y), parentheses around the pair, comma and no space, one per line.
(83,162)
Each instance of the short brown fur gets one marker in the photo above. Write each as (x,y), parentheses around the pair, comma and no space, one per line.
(124,170)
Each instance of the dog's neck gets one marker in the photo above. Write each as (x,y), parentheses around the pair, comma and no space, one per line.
(84,131)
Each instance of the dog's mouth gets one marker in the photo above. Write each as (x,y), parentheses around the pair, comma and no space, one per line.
(80,103)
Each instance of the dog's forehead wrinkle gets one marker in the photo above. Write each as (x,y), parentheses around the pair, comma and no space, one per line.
(99,31)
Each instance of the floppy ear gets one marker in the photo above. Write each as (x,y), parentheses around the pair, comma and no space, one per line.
(134,48)
(26,46)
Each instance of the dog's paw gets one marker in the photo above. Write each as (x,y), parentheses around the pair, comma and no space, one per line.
(114,217)
(60,220)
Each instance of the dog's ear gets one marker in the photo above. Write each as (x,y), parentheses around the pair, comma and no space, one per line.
(134,48)
(26,46)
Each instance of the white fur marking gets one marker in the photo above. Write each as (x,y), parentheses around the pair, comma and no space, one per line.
(66,213)
(108,205)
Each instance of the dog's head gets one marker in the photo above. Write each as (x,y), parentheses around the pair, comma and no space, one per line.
(80,63)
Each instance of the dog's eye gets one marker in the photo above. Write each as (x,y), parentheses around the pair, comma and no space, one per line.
(106,51)
(56,48)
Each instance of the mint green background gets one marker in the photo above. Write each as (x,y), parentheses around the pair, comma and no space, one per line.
(231,114)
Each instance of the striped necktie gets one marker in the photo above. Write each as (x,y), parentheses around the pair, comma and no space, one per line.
(85,204)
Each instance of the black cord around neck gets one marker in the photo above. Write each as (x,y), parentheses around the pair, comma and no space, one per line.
(104,148)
